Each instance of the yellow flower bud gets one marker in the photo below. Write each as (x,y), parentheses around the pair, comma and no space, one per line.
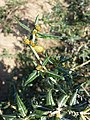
(58,115)
(27,41)
(40,68)
(38,28)
(32,43)
(34,31)
(39,49)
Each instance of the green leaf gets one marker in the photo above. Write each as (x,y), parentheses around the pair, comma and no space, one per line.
(53,80)
(9,117)
(49,98)
(62,101)
(45,61)
(36,20)
(62,90)
(51,74)
(73,98)
(43,118)
(47,36)
(21,107)
(32,77)
(39,113)
(24,26)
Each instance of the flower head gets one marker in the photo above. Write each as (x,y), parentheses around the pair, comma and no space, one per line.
(38,28)
(34,31)
(40,68)
(32,43)
(27,41)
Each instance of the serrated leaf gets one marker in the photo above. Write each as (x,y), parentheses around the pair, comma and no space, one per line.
(32,77)
(73,98)
(51,74)
(45,61)
(24,26)
(49,98)
(21,107)
(62,101)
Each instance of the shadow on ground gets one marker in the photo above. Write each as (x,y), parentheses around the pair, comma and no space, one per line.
(20,31)
(10,77)
(7,74)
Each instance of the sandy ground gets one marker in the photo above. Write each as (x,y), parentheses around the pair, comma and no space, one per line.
(12,44)
(28,12)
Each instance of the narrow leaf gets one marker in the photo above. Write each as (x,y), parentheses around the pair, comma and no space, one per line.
(24,26)
(9,117)
(47,36)
(62,101)
(21,107)
(39,112)
(32,77)
(46,61)
(83,117)
(36,20)
(49,98)
(73,98)
(51,74)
